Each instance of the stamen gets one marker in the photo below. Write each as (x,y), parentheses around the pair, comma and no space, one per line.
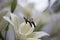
(30,21)
(26,20)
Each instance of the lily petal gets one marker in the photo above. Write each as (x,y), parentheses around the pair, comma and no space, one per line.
(15,19)
(38,34)
(8,19)
(22,37)
(26,29)
(30,31)
(33,39)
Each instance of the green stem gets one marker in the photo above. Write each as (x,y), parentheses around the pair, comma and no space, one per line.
(6,30)
(1,37)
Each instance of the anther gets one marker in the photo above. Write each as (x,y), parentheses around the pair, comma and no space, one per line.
(30,21)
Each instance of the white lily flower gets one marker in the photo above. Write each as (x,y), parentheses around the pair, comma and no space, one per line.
(23,30)
(39,18)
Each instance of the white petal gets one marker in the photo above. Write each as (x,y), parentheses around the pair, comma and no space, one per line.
(7,19)
(22,37)
(31,30)
(38,34)
(26,29)
(20,28)
(15,19)
(22,25)
(33,39)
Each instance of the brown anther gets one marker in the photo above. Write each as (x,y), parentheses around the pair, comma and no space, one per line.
(30,21)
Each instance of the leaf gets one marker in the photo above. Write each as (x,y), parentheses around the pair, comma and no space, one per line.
(2,13)
(13,5)
(55,34)
(1,37)
(6,29)
(3,23)
(57,9)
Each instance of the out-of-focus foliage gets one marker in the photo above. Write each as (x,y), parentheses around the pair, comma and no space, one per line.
(1,37)
(13,5)
(2,21)
(4,3)
(56,6)
(57,9)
